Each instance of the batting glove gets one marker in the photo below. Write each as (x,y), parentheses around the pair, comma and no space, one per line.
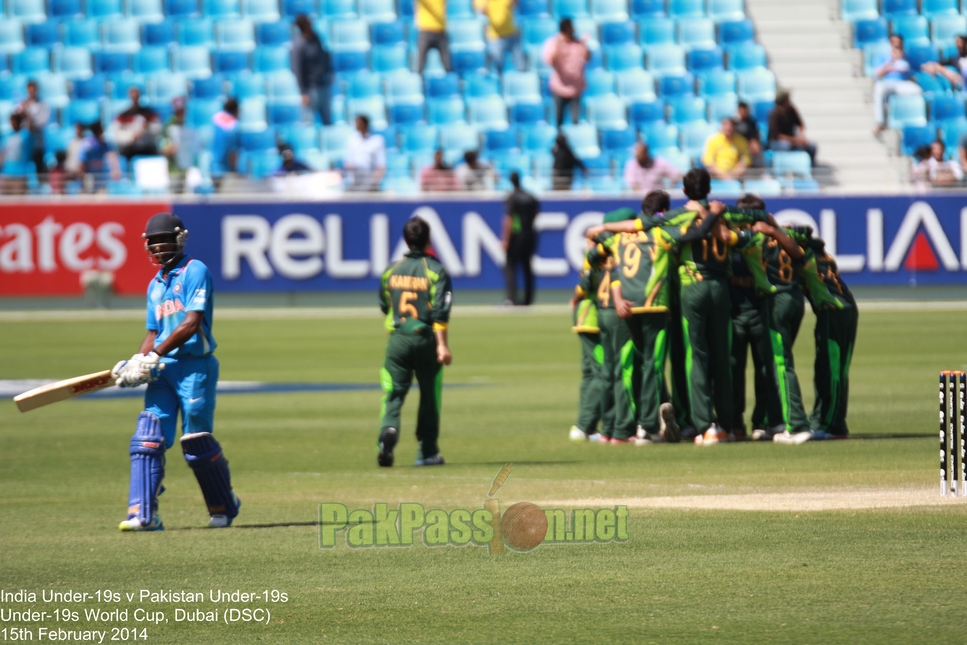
(125,371)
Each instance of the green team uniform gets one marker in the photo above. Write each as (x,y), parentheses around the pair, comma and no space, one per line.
(590,408)
(415,295)
(608,324)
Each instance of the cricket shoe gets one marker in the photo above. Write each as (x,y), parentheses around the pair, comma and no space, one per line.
(712,436)
(219,521)
(792,439)
(435,460)
(689,433)
(668,427)
(597,437)
(134,524)
(738,434)
(645,438)
(387,441)
(628,440)
(577,434)
(766,434)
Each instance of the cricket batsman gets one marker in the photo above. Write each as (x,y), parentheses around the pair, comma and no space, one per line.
(177,362)
(415,294)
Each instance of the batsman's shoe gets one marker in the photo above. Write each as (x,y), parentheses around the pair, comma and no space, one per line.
(712,436)
(387,441)
(224,521)
(435,460)
(668,427)
(790,439)
(766,434)
(134,524)
(577,434)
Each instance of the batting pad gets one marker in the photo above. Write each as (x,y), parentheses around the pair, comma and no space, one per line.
(204,455)
(147,467)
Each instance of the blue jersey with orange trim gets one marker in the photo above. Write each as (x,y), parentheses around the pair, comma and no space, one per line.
(188,287)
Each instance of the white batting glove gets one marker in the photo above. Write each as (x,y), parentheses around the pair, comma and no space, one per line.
(117,369)
(125,371)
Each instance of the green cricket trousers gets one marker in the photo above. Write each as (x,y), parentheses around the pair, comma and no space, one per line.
(406,354)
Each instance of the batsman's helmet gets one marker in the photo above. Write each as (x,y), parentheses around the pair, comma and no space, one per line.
(164,237)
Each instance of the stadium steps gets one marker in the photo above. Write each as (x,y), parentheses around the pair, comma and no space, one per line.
(808,51)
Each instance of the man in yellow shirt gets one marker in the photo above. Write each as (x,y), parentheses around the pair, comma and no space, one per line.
(726,153)
(503,36)
(431,23)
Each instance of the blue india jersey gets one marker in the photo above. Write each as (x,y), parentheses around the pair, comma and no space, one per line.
(188,288)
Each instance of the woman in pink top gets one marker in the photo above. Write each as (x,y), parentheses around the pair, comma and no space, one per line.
(567,56)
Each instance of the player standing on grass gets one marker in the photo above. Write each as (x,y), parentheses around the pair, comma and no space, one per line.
(415,294)
(177,362)
(593,381)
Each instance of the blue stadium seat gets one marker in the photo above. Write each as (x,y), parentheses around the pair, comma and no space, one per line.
(31,61)
(159,34)
(404,88)
(79,33)
(538,138)
(792,163)
(282,87)
(339,9)
(917,55)
(599,83)
(273,34)
(45,34)
(905,111)
(932,85)
(757,85)
(350,36)
(405,114)
(617,33)
(199,112)
(73,62)
(623,57)
(458,138)
(303,137)
(11,37)
(443,111)
(747,56)
(726,188)
(66,9)
(762,187)
(693,137)
(149,60)
(722,106)
(349,62)
(480,85)
(255,140)
(615,142)
(418,138)
(387,33)
(252,114)
(145,10)
(874,55)
(163,87)
(229,62)
(946,108)
(221,9)
(853,10)
(583,139)
(536,31)
(293,8)
(271,59)
(915,136)
(704,60)
(660,136)
(944,29)
(635,85)
(697,33)
(192,61)
(726,10)
(467,62)
(870,31)
(646,9)
(82,111)
(607,112)
(521,87)
(914,29)
(389,58)
(377,10)
(609,10)
(952,133)
(665,60)
(526,113)
(569,9)
(646,113)
(656,31)
(88,89)
(52,89)
(683,85)
(247,86)
(736,32)
(181,8)
(685,109)
(27,11)
(284,113)
(121,35)
(488,112)
(716,83)
(686,8)
(497,141)
(104,9)
(532,9)
(438,87)
(261,11)
(895,8)
(373,107)
(234,35)
(459,10)
(465,35)
(933,8)
(206,88)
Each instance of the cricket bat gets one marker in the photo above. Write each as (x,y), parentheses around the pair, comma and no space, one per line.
(63,390)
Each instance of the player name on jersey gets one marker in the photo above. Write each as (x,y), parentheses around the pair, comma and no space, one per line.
(409,282)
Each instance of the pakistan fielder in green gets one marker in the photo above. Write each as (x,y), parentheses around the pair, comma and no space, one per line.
(415,294)
(584,306)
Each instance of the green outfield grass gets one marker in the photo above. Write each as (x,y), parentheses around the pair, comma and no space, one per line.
(887,575)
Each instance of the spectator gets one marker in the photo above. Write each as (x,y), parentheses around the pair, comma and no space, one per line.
(312,66)
(15,157)
(503,36)
(474,174)
(519,240)
(892,77)
(726,153)
(226,141)
(36,116)
(937,171)
(99,159)
(365,159)
(439,177)
(645,173)
(75,147)
(431,25)
(567,58)
(748,127)
(174,142)
(290,165)
(137,129)
(786,129)
(57,176)
(565,161)
(954,68)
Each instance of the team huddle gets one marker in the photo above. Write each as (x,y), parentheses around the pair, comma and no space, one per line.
(703,284)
